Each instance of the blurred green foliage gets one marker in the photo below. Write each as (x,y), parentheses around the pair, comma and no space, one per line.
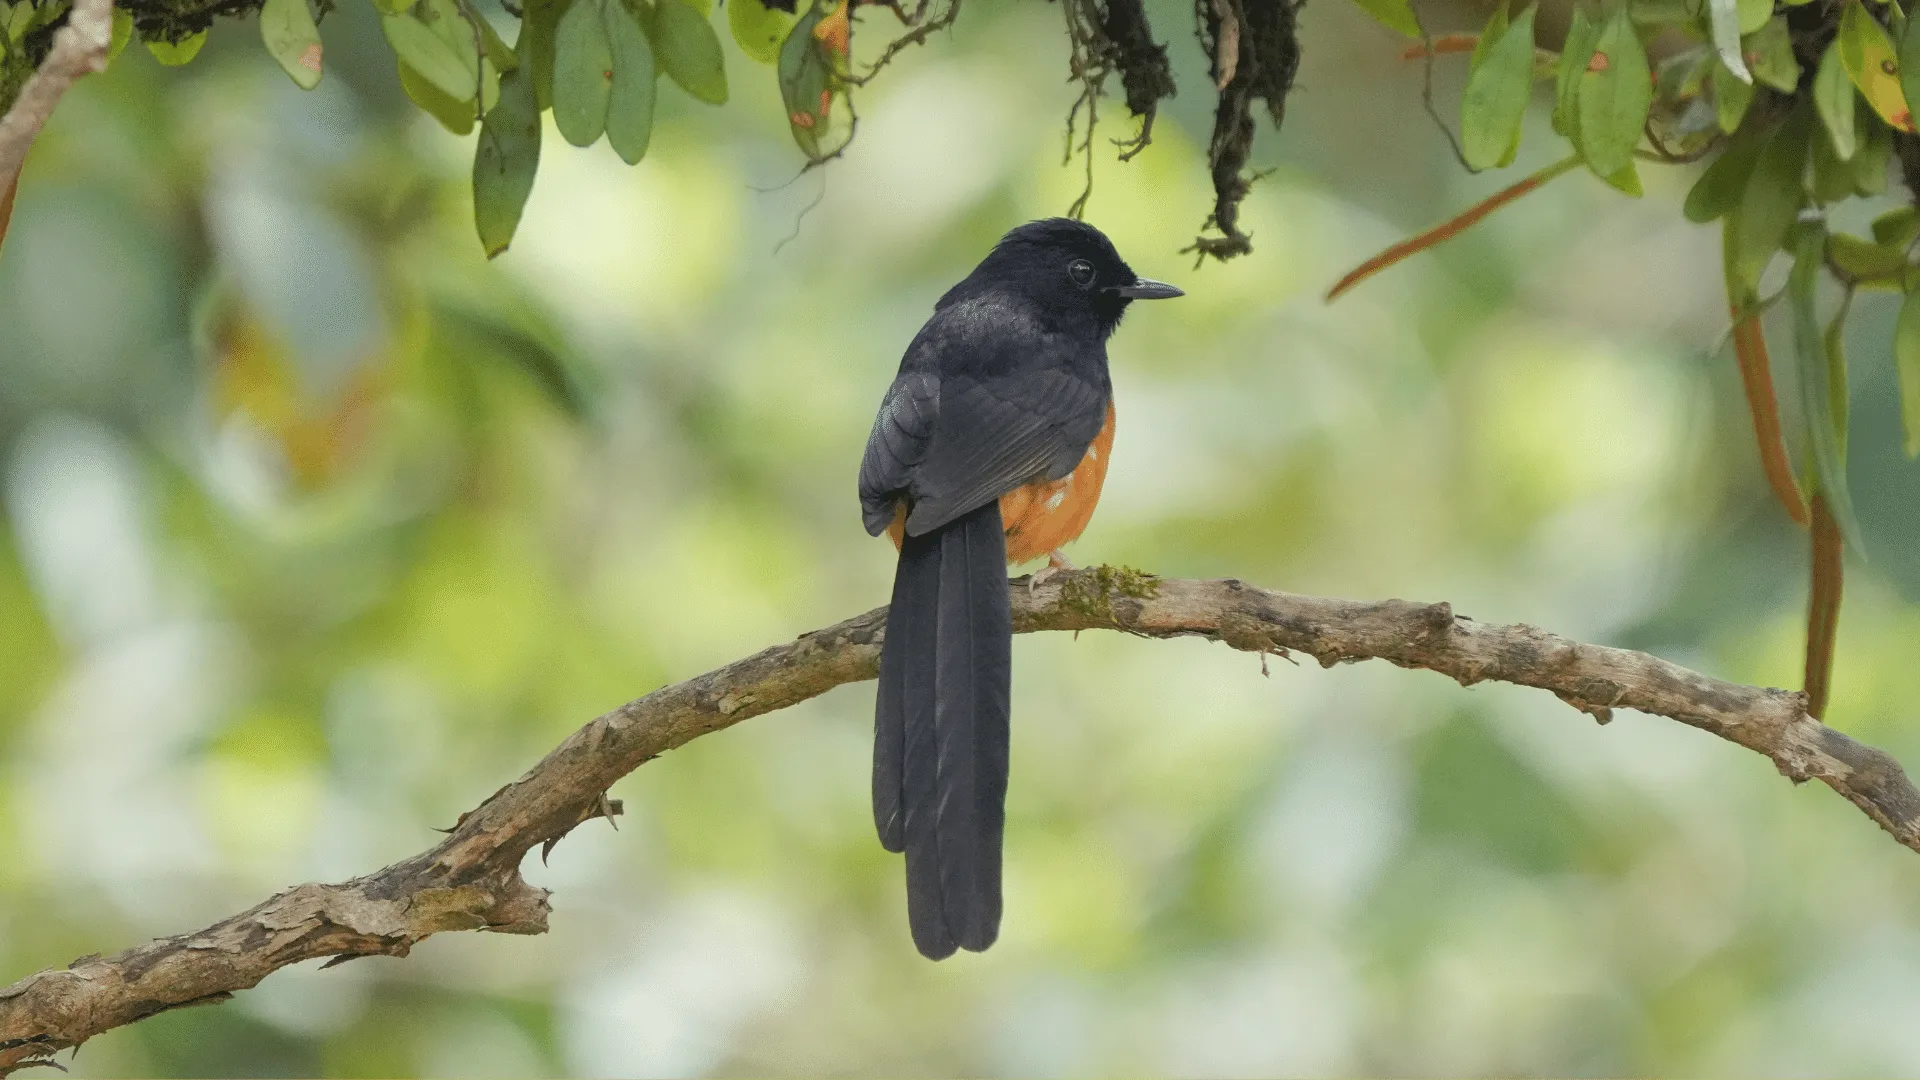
(319,527)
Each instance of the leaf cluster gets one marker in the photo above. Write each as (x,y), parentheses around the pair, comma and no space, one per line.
(1802,106)
(594,64)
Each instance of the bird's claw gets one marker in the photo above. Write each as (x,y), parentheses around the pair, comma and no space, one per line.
(1057,563)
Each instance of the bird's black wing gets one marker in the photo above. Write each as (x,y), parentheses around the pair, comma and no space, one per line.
(996,433)
(901,433)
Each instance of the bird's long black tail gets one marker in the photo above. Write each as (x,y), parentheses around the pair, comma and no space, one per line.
(940,729)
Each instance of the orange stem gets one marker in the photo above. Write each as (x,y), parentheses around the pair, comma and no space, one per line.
(1445,43)
(6,204)
(1823,607)
(1756,374)
(1448,230)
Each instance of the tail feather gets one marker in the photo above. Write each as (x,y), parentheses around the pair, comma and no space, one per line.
(941,730)
(906,680)
(970,718)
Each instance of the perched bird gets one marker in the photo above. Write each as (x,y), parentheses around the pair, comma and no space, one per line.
(989,449)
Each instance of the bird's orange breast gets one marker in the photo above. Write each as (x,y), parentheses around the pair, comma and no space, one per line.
(1048,514)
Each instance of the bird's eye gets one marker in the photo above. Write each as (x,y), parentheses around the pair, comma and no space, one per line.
(1081,271)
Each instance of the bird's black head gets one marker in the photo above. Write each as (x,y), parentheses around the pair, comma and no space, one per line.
(1067,268)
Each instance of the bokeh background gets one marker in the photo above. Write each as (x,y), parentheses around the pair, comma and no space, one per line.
(318,527)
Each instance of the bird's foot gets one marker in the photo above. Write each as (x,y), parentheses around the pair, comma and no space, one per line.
(1057,563)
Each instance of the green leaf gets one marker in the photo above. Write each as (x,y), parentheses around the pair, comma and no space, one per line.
(535,49)
(1908,62)
(1754,14)
(122,33)
(1627,181)
(1721,187)
(759,30)
(1906,357)
(451,24)
(1395,15)
(1495,101)
(288,31)
(1615,91)
(454,114)
(489,85)
(177,53)
(689,51)
(1859,258)
(1873,64)
(1724,20)
(1495,29)
(582,73)
(1833,99)
(1664,13)
(497,52)
(1821,372)
(1898,227)
(1731,97)
(1582,35)
(1869,165)
(631,98)
(1771,203)
(432,53)
(393,7)
(1832,178)
(806,76)
(505,161)
(46,13)
(1770,57)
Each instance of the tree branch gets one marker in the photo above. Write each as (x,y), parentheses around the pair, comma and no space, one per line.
(471,880)
(79,48)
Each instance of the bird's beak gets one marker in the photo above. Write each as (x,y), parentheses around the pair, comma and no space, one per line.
(1146,289)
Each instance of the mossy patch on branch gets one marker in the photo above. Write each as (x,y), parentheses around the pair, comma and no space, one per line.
(1090,593)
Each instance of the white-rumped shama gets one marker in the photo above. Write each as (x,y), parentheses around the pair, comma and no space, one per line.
(990,448)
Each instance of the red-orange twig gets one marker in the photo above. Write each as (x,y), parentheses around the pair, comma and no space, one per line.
(6,205)
(1447,230)
(1442,45)
(1823,607)
(1756,374)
